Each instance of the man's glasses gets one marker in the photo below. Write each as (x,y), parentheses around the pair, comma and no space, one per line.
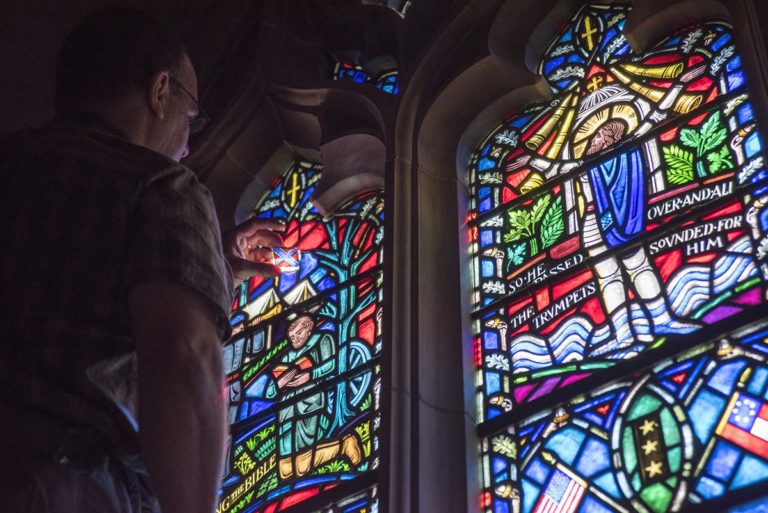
(201,120)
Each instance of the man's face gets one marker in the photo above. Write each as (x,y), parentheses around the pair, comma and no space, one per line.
(605,136)
(598,142)
(181,110)
(299,331)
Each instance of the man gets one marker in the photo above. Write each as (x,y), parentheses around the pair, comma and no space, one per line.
(113,265)
(304,445)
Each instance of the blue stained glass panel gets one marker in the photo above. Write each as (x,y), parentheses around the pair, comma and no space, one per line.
(501,507)
(751,470)
(724,459)
(746,114)
(566,444)
(491,340)
(607,482)
(735,81)
(492,382)
(720,42)
(757,385)
(752,145)
(724,379)
(591,505)
(709,488)
(705,409)
(594,459)
(530,493)
(537,471)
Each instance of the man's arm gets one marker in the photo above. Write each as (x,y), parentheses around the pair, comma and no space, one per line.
(181,398)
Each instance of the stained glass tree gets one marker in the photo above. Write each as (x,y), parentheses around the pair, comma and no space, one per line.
(619,235)
(303,369)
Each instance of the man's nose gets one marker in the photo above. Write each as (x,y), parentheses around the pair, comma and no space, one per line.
(185,152)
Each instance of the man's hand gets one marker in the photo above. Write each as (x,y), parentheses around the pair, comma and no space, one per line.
(248,248)
(292,378)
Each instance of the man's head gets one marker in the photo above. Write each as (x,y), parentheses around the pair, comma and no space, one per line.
(607,135)
(132,70)
(300,330)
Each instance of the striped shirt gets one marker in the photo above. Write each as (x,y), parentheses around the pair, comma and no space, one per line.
(86,215)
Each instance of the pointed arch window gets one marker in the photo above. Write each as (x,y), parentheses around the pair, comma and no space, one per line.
(303,368)
(618,235)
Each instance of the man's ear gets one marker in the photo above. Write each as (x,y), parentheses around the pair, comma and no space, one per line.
(159,92)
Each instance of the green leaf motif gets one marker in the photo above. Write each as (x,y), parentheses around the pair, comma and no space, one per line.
(720,160)
(553,224)
(269,484)
(540,207)
(520,225)
(505,446)
(520,219)
(334,467)
(679,164)
(689,137)
(713,133)
(512,235)
(516,254)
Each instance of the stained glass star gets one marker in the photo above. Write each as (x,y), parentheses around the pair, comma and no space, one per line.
(650,446)
(647,426)
(654,468)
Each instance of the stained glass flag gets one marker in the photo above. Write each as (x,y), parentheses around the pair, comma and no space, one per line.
(562,494)
(288,259)
(745,423)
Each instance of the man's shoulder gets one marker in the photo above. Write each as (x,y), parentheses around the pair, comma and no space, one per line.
(92,147)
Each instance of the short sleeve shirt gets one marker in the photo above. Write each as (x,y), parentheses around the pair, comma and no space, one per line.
(86,216)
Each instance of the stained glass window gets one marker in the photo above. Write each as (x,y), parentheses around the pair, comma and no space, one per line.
(617,224)
(386,82)
(303,368)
